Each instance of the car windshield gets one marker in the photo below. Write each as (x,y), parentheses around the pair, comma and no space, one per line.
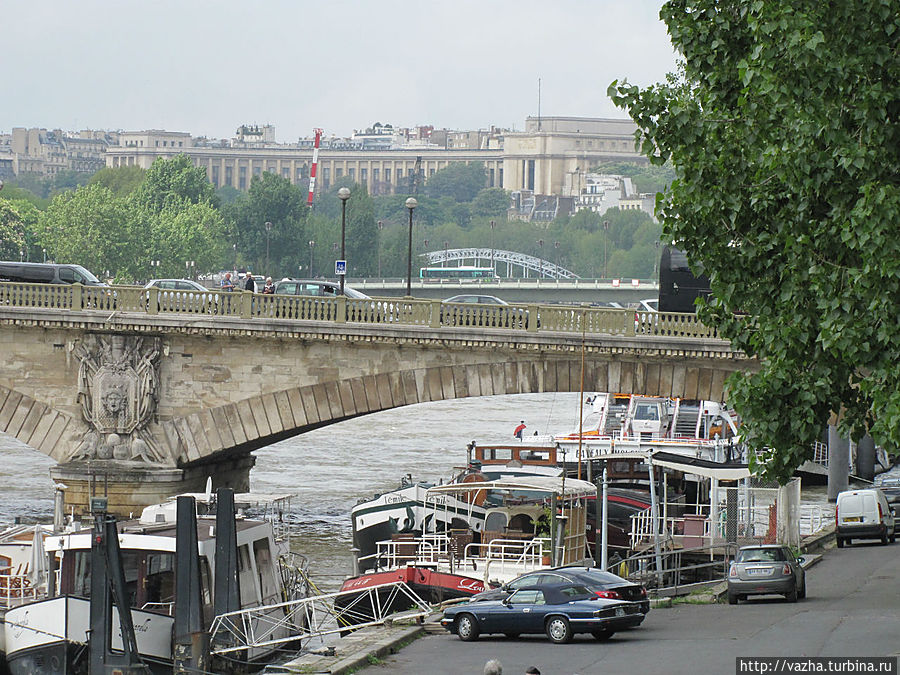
(761,555)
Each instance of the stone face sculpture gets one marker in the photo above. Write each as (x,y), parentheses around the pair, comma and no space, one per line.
(118,389)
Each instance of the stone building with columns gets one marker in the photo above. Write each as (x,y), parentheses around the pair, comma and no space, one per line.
(550,157)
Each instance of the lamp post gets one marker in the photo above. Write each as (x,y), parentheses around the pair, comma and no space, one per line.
(311,245)
(156,264)
(411,204)
(605,245)
(556,246)
(378,246)
(268,229)
(493,270)
(189,268)
(540,243)
(446,244)
(45,254)
(343,195)
(234,255)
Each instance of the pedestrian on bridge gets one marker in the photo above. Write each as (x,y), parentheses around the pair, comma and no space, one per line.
(227,284)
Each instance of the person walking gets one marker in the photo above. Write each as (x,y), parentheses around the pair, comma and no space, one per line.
(249,284)
(269,288)
(519,430)
(227,284)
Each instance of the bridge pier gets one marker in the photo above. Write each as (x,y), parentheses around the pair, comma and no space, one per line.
(130,486)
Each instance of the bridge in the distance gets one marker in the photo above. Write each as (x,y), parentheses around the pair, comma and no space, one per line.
(152,391)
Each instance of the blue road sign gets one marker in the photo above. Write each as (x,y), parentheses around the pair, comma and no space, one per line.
(340,268)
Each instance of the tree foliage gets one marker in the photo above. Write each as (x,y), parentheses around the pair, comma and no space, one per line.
(174,179)
(12,234)
(783,132)
(460,181)
(122,180)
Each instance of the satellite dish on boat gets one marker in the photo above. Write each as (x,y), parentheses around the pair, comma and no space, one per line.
(208,488)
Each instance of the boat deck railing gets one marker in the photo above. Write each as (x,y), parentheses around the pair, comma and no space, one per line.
(16,587)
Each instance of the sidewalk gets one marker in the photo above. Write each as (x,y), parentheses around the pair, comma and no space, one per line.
(353,652)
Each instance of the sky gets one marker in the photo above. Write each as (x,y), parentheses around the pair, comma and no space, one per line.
(207,67)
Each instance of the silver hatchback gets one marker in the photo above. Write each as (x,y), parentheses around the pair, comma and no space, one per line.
(767,569)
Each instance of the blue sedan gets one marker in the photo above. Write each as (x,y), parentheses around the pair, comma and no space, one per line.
(559,610)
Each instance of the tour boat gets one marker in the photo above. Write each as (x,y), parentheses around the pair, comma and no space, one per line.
(49,634)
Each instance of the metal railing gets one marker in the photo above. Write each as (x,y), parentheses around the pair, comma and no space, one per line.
(530,318)
(671,572)
(313,617)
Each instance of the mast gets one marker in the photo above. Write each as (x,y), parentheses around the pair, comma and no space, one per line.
(315,164)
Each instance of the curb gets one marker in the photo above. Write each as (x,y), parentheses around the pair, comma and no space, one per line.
(378,649)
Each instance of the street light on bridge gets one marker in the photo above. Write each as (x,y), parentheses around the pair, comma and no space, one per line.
(341,269)
(311,245)
(411,204)
(268,230)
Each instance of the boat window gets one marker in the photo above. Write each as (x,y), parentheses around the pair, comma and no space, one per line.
(205,585)
(264,568)
(536,456)
(159,580)
(243,558)
(646,411)
(495,522)
(81,578)
(504,454)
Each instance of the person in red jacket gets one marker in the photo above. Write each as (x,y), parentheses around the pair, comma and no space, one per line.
(519,430)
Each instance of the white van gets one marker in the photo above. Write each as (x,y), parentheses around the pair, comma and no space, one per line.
(863,514)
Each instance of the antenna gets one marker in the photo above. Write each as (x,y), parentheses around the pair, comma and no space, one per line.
(539,104)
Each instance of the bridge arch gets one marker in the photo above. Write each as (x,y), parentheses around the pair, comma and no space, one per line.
(267,418)
(492,256)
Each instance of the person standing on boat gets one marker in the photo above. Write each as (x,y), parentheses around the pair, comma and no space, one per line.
(519,430)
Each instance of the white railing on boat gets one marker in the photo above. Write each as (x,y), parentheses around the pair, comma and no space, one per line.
(313,617)
(17,589)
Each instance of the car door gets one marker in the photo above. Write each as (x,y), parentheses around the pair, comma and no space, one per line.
(524,613)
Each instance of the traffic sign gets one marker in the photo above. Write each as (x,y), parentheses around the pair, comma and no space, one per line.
(340,268)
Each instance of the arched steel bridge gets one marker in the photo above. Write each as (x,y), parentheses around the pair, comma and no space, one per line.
(489,257)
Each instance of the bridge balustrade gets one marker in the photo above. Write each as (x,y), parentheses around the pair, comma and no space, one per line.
(529,318)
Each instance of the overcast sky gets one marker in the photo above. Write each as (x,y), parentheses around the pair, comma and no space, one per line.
(206,67)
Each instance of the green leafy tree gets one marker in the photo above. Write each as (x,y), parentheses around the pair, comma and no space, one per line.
(783,133)
(94,228)
(271,199)
(12,231)
(17,193)
(460,181)
(186,232)
(491,203)
(175,179)
(122,180)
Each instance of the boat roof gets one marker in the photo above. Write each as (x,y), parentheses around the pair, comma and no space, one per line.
(559,485)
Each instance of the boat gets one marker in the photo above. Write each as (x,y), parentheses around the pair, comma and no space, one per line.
(524,523)
(404,511)
(50,632)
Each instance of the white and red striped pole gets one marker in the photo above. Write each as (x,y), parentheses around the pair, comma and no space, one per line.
(312,171)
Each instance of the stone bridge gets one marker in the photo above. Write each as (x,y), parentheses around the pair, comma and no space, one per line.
(150,393)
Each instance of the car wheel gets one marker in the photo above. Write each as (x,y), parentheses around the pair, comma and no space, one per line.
(558,630)
(467,628)
(732,599)
(792,596)
(802,592)
(884,539)
(603,634)
(840,543)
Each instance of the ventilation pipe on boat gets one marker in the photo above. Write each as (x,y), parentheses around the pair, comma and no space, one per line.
(191,648)
(228,588)
(108,588)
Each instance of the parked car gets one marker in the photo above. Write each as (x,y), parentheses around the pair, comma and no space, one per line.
(889,484)
(46,273)
(325,289)
(602,584)
(175,284)
(471,309)
(863,514)
(558,610)
(766,569)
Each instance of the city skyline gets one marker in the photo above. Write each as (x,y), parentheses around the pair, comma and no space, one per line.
(207,68)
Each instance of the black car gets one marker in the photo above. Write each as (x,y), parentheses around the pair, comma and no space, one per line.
(602,584)
(558,610)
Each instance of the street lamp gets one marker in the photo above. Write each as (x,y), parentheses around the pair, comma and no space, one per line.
(234,256)
(605,245)
(378,246)
(189,266)
(268,229)
(556,246)
(540,243)
(411,203)
(45,254)
(493,270)
(311,245)
(343,195)
(446,244)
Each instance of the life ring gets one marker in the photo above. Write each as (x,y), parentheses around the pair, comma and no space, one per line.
(475,497)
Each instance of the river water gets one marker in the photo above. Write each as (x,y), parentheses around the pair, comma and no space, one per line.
(330,469)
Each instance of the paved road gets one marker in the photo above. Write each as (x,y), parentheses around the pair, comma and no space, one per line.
(852,609)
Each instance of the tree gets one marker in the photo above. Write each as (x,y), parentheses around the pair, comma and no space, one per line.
(491,203)
(783,131)
(12,235)
(271,199)
(122,180)
(184,232)
(174,179)
(94,228)
(457,180)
